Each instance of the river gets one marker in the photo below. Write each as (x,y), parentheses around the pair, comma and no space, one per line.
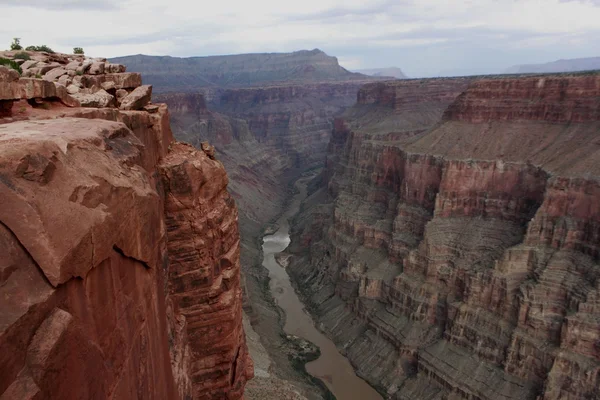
(331,367)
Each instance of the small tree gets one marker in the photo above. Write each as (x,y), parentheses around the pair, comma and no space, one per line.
(78,50)
(16,44)
(40,48)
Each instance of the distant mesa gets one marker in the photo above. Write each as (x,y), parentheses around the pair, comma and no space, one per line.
(189,74)
(392,72)
(570,65)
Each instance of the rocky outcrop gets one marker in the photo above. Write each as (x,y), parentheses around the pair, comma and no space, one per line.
(121,276)
(458,256)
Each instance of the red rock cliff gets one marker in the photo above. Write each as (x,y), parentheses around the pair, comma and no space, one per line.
(120,274)
(462,260)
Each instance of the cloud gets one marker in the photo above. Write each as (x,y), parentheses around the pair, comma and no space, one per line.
(422,37)
(60,5)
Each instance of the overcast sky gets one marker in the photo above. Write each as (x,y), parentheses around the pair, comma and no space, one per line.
(423,37)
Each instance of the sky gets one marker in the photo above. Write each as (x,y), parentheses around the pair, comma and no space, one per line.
(423,37)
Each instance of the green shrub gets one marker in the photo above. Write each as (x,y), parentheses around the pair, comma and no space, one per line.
(78,50)
(11,64)
(16,44)
(22,56)
(40,48)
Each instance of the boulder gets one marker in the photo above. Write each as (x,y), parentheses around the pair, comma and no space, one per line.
(73,65)
(8,74)
(100,99)
(36,88)
(126,80)
(137,99)
(109,85)
(65,80)
(151,108)
(31,73)
(208,149)
(55,73)
(82,69)
(114,68)
(44,69)
(63,94)
(72,89)
(97,68)
(28,64)
(121,93)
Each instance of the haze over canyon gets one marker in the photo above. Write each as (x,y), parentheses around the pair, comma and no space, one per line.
(268,226)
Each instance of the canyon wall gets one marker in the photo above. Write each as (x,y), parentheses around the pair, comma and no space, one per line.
(121,274)
(450,247)
(266,137)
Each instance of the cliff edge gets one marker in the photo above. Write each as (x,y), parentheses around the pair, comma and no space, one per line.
(120,274)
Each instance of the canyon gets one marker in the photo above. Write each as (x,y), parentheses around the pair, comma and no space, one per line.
(444,232)
(450,246)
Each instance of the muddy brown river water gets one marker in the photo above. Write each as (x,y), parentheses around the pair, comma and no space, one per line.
(331,367)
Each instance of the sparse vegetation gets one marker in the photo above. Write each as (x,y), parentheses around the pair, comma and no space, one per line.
(11,64)
(22,56)
(78,50)
(16,44)
(38,76)
(40,48)
(79,73)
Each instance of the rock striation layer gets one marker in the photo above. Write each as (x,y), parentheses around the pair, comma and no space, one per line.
(454,254)
(120,275)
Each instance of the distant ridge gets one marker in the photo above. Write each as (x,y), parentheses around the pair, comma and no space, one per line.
(168,73)
(393,72)
(568,65)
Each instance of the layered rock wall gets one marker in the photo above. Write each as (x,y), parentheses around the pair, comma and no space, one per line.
(121,276)
(456,262)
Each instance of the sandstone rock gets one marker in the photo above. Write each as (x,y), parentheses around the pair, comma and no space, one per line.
(114,68)
(208,150)
(73,65)
(108,85)
(44,68)
(99,99)
(65,80)
(97,68)
(127,80)
(121,93)
(191,179)
(72,89)
(77,81)
(137,99)
(57,338)
(55,73)
(151,108)
(65,97)
(28,64)
(84,67)
(37,88)
(8,75)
